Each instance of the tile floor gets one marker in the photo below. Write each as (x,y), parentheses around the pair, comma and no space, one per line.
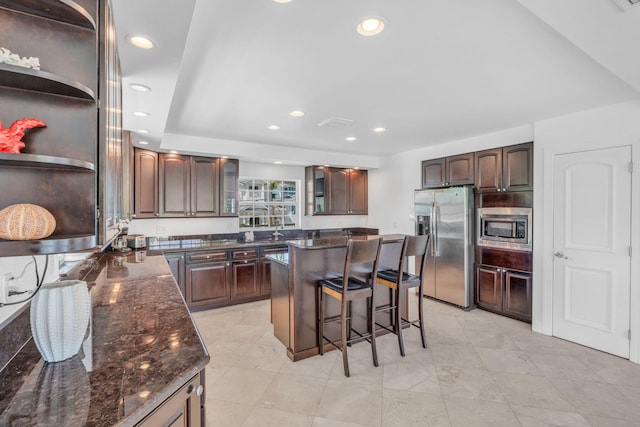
(480,370)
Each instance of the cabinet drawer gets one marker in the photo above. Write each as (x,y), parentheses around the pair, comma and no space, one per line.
(241,254)
(207,256)
(275,250)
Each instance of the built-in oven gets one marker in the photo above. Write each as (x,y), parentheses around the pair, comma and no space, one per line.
(504,227)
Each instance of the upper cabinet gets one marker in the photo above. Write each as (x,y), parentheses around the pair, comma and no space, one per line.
(505,169)
(229,174)
(57,167)
(174,185)
(336,191)
(448,171)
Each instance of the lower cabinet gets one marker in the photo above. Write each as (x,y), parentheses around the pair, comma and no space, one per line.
(185,408)
(216,278)
(207,280)
(504,291)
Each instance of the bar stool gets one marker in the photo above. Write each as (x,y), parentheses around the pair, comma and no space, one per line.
(361,259)
(412,246)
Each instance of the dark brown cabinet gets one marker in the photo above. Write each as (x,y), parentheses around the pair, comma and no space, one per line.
(188,186)
(176,261)
(245,284)
(145,184)
(57,167)
(215,278)
(505,169)
(175,186)
(336,191)
(185,408)
(504,291)
(207,280)
(448,171)
(229,173)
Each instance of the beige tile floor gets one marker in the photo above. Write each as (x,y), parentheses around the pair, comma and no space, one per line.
(480,370)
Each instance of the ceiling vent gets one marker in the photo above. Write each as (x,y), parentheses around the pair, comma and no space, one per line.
(625,4)
(336,122)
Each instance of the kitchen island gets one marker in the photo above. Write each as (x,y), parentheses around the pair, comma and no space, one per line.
(142,362)
(294,278)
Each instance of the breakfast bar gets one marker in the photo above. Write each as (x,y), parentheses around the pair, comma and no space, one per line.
(294,278)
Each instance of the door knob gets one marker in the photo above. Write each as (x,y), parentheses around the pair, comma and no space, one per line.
(559,254)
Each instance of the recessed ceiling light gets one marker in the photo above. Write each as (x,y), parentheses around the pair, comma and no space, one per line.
(225,157)
(142,131)
(142,142)
(296,113)
(370,26)
(282,1)
(273,127)
(141,114)
(379,130)
(173,152)
(356,167)
(277,162)
(350,138)
(139,88)
(143,42)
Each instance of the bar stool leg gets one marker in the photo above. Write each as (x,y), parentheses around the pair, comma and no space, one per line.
(343,327)
(321,321)
(399,322)
(372,325)
(425,344)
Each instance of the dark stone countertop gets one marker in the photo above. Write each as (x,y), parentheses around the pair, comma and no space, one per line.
(142,346)
(337,242)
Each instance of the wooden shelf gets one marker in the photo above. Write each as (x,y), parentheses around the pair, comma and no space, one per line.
(61,10)
(51,245)
(41,81)
(41,161)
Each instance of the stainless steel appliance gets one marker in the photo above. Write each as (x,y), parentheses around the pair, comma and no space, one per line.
(448,215)
(136,241)
(505,227)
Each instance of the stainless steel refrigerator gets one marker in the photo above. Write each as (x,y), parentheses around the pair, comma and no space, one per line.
(448,215)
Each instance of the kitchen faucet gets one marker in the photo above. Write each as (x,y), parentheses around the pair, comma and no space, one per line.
(276,234)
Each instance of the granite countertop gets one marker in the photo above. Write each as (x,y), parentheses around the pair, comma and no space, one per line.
(336,242)
(142,346)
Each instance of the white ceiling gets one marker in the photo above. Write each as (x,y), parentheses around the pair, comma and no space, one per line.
(442,70)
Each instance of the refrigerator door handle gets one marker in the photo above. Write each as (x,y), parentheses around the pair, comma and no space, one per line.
(434,229)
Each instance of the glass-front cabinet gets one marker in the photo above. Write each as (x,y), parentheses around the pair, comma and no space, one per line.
(267,203)
(228,187)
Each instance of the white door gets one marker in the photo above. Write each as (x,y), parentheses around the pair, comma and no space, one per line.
(592,237)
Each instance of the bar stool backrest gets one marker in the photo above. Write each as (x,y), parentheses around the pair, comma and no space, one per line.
(414,246)
(362,253)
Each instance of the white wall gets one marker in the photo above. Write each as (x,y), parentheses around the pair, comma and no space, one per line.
(610,126)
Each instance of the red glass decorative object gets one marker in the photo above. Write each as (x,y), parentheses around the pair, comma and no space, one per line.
(10,138)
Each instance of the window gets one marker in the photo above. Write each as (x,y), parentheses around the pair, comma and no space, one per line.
(265,203)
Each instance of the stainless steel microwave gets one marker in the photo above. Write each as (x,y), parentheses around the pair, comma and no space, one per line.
(507,228)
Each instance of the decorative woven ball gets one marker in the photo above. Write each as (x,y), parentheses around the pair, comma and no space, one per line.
(25,221)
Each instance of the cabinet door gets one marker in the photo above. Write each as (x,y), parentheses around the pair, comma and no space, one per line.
(489,287)
(459,169)
(517,295)
(175,192)
(338,194)
(488,170)
(208,285)
(182,409)
(433,173)
(177,266)
(245,284)
(517,167)
(145,197)
(358,192)
(229,173)
(315,185)
(204,187)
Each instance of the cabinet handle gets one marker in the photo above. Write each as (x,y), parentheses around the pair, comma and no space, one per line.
(157,214)
(499,189)
(504,189)
(199,390)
